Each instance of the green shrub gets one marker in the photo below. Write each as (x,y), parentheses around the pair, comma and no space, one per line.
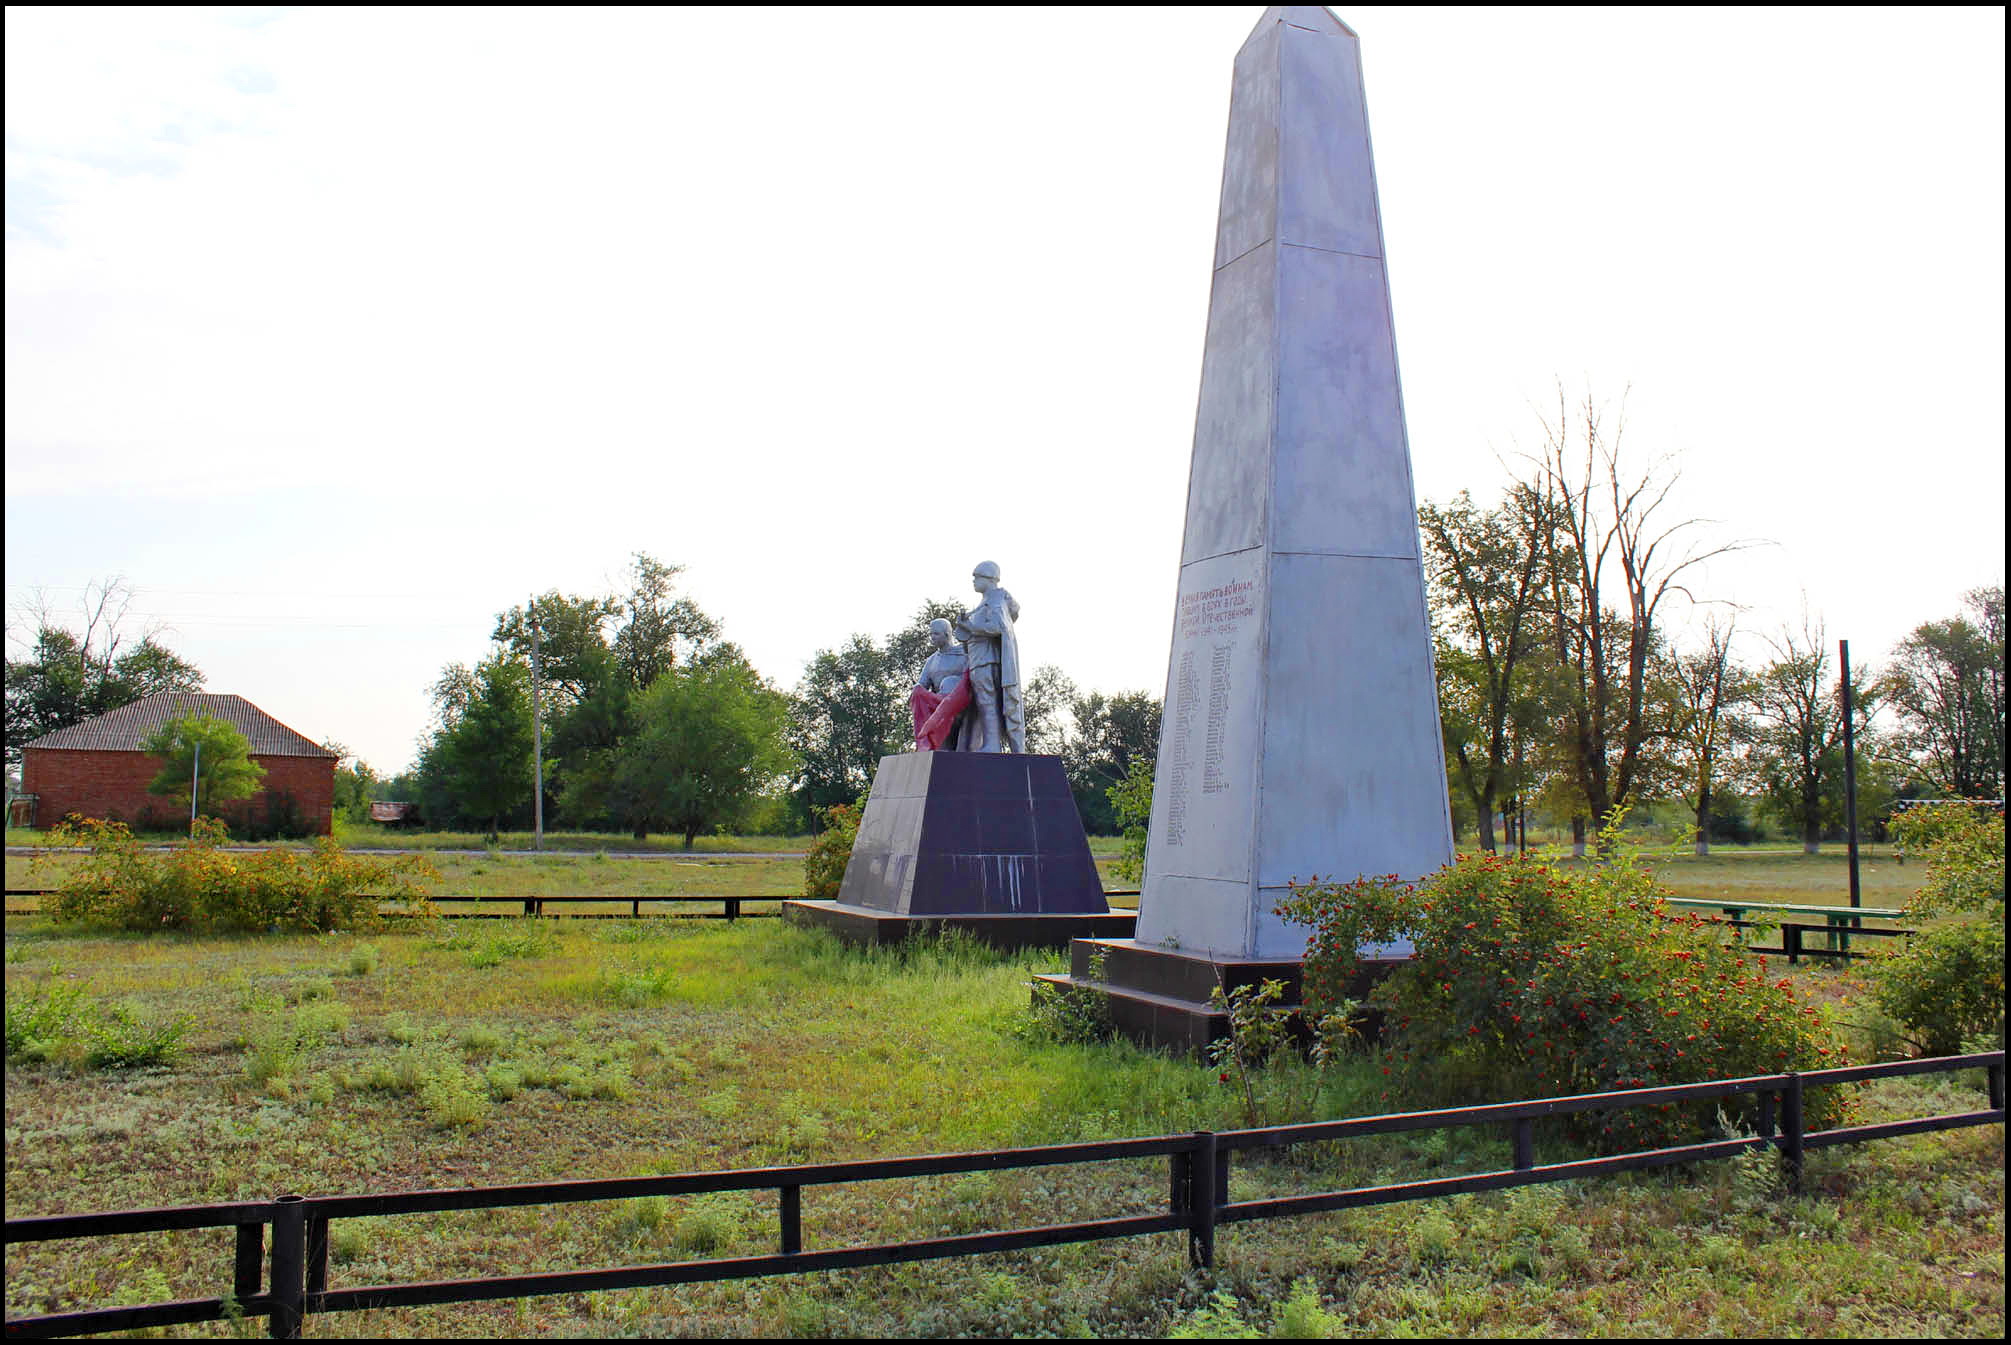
(1070,1013)
(499,948)
(1131,797)
(201,886)
(1947,987)
(1530,981)
(38,1020)
(824,863)
(711,1223)
(119,1038)
(452,1096)
(362,959)
(1963,844)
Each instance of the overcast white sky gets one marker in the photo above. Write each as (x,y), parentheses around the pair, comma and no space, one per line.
(338,331)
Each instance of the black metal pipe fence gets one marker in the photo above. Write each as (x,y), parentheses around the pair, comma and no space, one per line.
(732,908)
(294,1283)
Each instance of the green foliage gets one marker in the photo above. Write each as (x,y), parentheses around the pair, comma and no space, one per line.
(712,1223)
(453,1096)
(1256,1030)
(1071,1013)
(1963,845)
(1113,735)
(478,764)
(123,1038)
(207,751)
(362,959)
(1947,987)
(1131,808)
(39,1019)
(824,864)
(1946,680)
(1532,981)
(201,886)
(277,1048)
(67,679)
(707,741)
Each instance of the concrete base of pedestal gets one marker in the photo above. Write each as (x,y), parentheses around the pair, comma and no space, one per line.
(1159,997)
(859,924)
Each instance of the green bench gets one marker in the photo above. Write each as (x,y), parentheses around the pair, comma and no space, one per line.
(1840,919)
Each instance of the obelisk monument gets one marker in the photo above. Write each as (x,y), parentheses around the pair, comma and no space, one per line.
(1301,728)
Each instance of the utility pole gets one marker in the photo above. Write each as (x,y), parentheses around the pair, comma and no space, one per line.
(1849,776)
(537,736)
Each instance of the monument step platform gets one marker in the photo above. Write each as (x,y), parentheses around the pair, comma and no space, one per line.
(1179,974)
(1161,997)
(862,925)
(1183,1025)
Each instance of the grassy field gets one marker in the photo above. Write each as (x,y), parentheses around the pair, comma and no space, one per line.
(518,1050)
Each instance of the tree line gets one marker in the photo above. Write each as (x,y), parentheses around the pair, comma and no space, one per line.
(1566,686)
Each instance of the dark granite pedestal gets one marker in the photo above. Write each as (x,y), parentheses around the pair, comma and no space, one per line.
(986,843)
(1160,997)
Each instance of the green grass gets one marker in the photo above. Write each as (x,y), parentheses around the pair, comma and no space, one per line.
(477,1054)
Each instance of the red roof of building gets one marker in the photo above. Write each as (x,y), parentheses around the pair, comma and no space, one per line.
(124,729)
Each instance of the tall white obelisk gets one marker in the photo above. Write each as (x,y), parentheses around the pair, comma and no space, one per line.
(1301,728)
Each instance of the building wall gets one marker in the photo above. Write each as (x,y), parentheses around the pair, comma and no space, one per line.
(114,785)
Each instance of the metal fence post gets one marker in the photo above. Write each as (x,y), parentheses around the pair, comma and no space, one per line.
(792,1220)
(289,1255)
(1994,1077)
(1791,1132)
(1525,1143)
(249,1271)
(317,1255)
(1201,1209)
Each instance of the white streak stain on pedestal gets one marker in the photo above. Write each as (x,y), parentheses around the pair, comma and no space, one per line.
(1301,722)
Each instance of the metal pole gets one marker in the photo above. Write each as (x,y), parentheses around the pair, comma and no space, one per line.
(537,736)
(288,1264)
(1849,778)
(1201,1214)
(195,784)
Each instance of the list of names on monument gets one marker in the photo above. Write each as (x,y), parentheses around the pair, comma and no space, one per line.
(1218,719)
(1187,690)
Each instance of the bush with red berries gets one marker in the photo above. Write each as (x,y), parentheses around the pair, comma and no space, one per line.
(1530,980)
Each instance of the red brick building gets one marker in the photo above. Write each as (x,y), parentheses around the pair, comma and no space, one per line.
(96,769)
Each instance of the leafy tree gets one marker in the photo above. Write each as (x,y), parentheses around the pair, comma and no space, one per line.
(1489,583)
(478,765)
(851,709)
(207,751)
(66,677)
(647,645)
(1131,802)
(846,714)
(1946,681)
(1708,692)
(1613,561)
(354,781)
(1112,731)
(708,739)
(1798,733)
(1045,702)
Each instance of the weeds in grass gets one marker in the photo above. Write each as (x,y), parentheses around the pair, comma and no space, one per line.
(121,1037)
(39,1020)
(363,959)
(313,988)
(452,1096)
(712,1223)
(480,1040)
(276,1048)
(1076,1013)
(500,948)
